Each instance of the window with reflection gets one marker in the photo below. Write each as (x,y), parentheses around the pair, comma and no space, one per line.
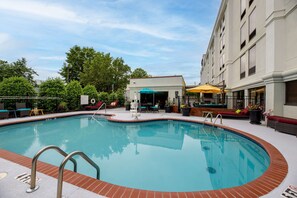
(242,66)
(242,8)
(252,24)
(252,60)
(242,35)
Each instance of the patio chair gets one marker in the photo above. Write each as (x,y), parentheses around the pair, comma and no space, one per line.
(95,107)
(155,108)
(22,110)
(3,112)
(143,108)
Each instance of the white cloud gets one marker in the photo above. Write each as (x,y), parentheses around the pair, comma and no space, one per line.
(52,58)
(44,74)
(4,38)
(8,43)
(140,53)
(41,9)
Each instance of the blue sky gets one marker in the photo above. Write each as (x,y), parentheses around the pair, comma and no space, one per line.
(164,37)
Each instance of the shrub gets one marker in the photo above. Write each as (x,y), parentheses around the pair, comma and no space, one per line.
(62,107)
(91,91)
(121,97)
(51,88)
(73,93)
(16,86)
(103,96)
(112,97)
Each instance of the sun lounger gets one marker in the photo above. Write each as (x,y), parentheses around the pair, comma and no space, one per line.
(113,104)
(3,112)
(95,107)
(22,110)
(241,114)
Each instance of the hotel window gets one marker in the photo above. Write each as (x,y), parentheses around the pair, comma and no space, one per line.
(223,41)
(242,8)
(242,36)
(291,94)
(250,2)
(242,66)
(223,60)
(252,60)
(252,24)
(223,24)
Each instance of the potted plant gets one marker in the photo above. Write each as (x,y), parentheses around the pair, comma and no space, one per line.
(127,105)
(186,109)
(255,114)
(167,107)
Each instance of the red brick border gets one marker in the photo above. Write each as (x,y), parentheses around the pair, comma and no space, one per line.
(272,178)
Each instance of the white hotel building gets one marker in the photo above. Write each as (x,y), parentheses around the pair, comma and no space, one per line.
(253,50)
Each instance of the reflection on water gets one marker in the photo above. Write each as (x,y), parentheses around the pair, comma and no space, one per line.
(159,155)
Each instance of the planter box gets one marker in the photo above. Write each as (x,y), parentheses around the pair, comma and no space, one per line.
(186,111)
(167,109)
(255,116)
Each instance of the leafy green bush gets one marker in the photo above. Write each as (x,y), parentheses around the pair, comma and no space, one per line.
(73,93)
(16,86)
(62,107)
(112,97)
(53,87)
(121,97)
(103,96)
(91,91)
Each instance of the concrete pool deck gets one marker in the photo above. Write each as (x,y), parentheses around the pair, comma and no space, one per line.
(286,144)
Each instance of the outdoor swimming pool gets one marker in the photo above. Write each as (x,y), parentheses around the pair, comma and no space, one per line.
(158,155)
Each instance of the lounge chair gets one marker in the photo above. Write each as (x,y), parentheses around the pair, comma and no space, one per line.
(155,108)
(241,114)
(113,104)
(94,107)
(22,110)
(3,112)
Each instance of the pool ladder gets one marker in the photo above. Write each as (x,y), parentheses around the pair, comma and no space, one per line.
(104,104)
(216,118)
(34,187)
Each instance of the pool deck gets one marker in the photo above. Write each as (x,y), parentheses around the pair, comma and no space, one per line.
(14,165)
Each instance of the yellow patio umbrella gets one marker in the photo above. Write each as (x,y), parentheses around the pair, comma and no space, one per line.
(206,88)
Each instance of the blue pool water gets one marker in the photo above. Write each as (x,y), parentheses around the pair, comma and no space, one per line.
(159,155)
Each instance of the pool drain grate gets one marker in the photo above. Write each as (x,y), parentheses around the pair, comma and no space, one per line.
(25,178)
(211,170)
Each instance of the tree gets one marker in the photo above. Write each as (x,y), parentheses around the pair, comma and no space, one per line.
(139,73)
(98,72)
(91,91)
(52,87)
(105,73)
(75,59)
(17,69)
(103,96)
(73,93)
(16,86)
(120,73)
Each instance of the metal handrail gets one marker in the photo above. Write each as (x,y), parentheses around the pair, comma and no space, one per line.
(61,169)
(99,109)
(33,186)
(209,113)
(221,119)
